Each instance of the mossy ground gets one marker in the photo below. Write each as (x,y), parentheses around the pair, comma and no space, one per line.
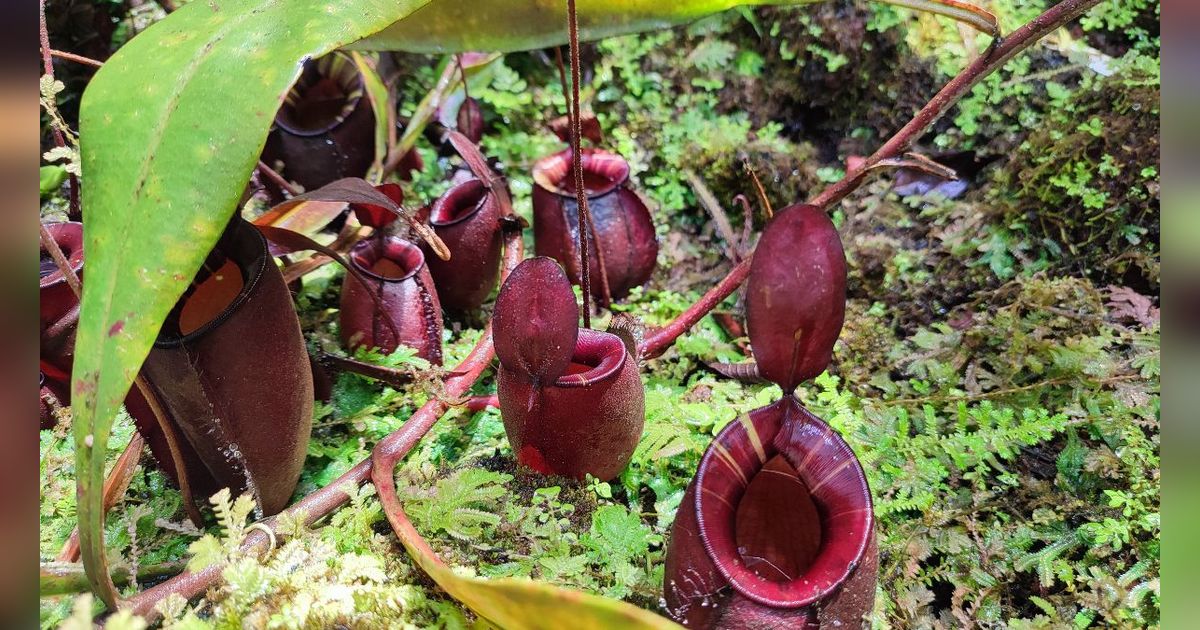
(998,375)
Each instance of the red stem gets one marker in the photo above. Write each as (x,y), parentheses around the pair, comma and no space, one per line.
(660,340)
(87,61)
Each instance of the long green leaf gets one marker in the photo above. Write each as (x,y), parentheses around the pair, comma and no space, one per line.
(445,26)
(525,604)
(171,127)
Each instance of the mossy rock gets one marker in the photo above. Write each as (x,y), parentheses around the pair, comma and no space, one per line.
(1086,183)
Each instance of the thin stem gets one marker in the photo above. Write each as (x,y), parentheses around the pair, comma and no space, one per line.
(75,212)
(562,77)
(585,272)
(60,260)
(87,61)
(277,179)
(657,343)
(462,73)
(710,203)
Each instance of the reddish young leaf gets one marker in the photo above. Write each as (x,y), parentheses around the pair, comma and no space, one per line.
(536,320)
(796,296)
(470,119)
(377,216)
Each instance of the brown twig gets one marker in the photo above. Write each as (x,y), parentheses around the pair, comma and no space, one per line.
(710,203)
(87,61)
(114,488)
(277,179)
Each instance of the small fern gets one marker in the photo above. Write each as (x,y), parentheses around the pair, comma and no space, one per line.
(462,505)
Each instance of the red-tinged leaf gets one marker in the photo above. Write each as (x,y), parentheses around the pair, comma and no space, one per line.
(286,242)
(377,216)
(796,296)
(354,190)
(303,216)
(536,320)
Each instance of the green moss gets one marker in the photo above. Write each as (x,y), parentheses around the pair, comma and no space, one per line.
(1086,181)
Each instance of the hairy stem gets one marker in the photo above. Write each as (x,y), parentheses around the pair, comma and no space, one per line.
(87,61)
(585,272)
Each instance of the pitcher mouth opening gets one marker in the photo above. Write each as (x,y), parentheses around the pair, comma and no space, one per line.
(69,237)
(224,283)
(458,204)
(598,356)
(327,92)
(603,172)
(391,260)
(784,529)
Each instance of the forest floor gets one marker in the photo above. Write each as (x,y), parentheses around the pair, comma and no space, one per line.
(998,375)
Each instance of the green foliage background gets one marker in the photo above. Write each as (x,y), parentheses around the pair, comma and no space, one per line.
(998,375)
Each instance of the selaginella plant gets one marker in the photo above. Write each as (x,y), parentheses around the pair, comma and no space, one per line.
(777,527)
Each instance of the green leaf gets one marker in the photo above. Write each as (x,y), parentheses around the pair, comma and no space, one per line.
(529,605)
(618,535)
(170,128)
(507,25)
(50,178)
